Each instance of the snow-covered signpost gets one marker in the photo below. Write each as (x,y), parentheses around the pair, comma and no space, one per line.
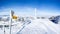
(11,14)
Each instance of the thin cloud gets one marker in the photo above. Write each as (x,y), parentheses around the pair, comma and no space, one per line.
(28,11)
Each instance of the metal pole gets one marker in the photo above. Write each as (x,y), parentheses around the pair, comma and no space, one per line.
(10,26)
(10,22)
(4,28)
(35,13)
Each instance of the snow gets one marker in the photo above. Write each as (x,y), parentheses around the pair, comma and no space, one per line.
(41,26)
(37,26)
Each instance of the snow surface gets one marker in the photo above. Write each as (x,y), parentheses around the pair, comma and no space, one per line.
(41,26)
(37,26)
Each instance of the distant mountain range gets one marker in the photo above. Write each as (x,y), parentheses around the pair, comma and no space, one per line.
(55,19)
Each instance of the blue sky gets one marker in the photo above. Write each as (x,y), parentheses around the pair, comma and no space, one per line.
(47,6)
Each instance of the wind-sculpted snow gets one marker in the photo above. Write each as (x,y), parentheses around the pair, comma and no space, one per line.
(37,26)
(41,26)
